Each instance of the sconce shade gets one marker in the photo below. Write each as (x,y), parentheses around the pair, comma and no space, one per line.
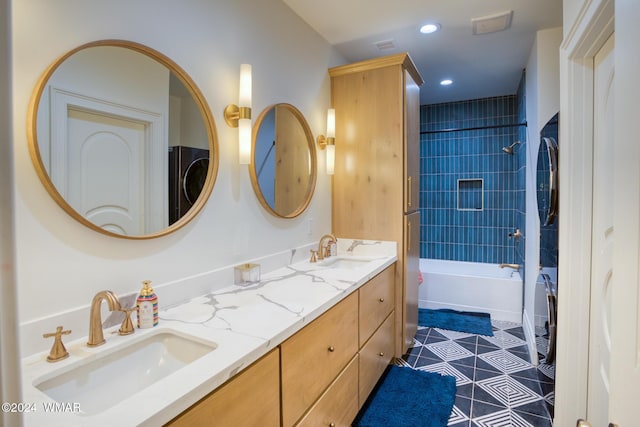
(331,159)
(240,115)
(331,123)
(244,144)
(328,142)
(244,98)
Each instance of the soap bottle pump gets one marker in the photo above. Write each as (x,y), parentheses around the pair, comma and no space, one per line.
(147,306)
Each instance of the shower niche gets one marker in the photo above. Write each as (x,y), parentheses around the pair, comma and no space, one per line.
(470,194)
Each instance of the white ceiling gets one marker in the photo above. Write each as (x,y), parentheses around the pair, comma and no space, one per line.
(480,65)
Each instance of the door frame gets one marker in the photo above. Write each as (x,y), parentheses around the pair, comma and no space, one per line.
(155,156)
(593,26)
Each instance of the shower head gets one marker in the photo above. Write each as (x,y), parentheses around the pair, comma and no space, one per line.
(509,149)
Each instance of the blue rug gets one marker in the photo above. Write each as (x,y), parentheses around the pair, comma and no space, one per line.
(408,397)
(461,321)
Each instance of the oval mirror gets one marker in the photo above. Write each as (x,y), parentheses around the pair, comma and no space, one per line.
(547,180)
(113,128)
(283,168)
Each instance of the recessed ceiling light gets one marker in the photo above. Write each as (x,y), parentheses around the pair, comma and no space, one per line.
(446,82)
(429,28)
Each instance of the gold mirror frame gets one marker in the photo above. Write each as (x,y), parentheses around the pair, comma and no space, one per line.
(306,199)
(209,125)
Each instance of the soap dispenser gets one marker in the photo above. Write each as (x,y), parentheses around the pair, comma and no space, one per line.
(147,306)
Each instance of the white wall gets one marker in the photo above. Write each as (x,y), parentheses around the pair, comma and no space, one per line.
(60,263)
(9,372)
(543,102)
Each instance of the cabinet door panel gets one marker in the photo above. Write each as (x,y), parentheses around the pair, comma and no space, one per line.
(249,399)
(374,358)
(376,302)
(314,356)
(412,144)
(367,184)
(411,281)
(338,406)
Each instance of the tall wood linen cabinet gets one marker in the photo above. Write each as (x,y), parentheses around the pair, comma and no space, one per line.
(377,169)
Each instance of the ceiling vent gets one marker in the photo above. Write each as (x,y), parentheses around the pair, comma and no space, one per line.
(385,44)
(492,23)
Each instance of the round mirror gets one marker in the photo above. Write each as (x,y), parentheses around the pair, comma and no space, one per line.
(113,129)
(547,180)
(283,168)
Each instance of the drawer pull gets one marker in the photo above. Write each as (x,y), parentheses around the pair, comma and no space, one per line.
(381,300)
(381,354)
(332,424)
(332,349)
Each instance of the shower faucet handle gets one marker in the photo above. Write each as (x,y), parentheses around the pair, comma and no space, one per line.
(517,234)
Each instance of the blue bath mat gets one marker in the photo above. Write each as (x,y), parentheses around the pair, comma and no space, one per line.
(461,321)
(408,397)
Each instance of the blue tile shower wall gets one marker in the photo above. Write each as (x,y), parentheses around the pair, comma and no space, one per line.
(480,235)
(521,179)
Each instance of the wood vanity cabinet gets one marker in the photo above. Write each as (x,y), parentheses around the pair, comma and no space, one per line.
(376,326)
(328,387)
(338,405)
(319,376)
(249,399)
(314,356)
(377,171)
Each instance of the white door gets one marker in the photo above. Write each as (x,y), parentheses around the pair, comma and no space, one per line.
(105,171)
(599,392)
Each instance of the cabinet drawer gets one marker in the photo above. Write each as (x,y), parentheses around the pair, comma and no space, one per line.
(249,399)
(338,406)
(376,302)
(374,358)
(312,358)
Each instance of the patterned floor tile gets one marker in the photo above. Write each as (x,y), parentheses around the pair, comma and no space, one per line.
(505,361)
(458,417)
(444,368)
(504,418)
(497,386)
(448,350)
(548,370)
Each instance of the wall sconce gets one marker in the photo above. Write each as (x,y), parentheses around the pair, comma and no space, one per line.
(328,142)
(239,116)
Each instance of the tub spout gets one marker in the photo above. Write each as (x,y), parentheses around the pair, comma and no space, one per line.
(514,266)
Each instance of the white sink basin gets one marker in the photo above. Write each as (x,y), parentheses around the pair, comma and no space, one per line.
(115,376)
(349,263)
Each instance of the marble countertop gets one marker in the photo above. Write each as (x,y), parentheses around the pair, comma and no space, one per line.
(244,321)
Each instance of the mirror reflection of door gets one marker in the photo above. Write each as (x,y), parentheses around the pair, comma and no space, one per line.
(105,171)
(106,161)
(283,167)
(292,161)
(125,105)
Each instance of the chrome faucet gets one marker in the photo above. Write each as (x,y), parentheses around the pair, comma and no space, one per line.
(514,266)
(96,337)
(323,251)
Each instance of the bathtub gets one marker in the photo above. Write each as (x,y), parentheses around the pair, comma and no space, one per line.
(470,286)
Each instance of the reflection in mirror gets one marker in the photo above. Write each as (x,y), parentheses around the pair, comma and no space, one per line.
(547,193)
(113,128)
(283,170)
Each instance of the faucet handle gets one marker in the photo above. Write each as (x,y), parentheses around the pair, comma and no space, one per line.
(127,325)
(58,351)
(314,257)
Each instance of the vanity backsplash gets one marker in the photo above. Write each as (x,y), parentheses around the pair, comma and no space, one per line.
(171,293)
